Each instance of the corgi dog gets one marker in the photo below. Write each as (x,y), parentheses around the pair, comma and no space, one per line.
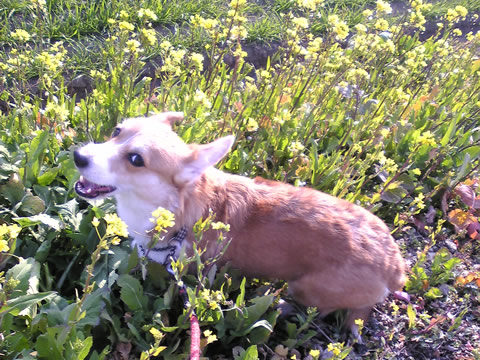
(333,254)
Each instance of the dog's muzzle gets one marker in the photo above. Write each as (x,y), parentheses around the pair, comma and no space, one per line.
(84,187)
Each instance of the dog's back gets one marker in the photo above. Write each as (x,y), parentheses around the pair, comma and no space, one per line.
(334,254)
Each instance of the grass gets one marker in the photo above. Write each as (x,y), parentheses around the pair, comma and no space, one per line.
(373,115)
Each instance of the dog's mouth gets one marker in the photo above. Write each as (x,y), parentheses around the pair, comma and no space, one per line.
(90,190)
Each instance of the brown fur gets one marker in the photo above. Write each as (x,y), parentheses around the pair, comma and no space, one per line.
(334,254)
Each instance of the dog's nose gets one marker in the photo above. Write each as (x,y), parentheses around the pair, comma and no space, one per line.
(80,160)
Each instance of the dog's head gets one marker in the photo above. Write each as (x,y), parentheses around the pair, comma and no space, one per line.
(144,158)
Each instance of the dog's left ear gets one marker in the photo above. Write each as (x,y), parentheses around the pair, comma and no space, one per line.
(204,156)
(170,117)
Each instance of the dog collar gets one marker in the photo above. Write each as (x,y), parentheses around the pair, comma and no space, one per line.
(172,248)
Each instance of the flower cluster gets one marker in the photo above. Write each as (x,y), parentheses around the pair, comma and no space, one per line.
(7,234)
(20,35)
(163,219)
(340,28)
(115,226)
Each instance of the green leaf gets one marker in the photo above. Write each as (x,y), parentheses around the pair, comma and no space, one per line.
(92,307)
(32,205)
(13,190)
(241,297)
(27,273)
(258,309)
(84,348)
(450,132)
(412,315)
(458,320)
(39,219)
(131,292)
(250,354)
(433,293)
(49,346)
(48,176)
(17,305)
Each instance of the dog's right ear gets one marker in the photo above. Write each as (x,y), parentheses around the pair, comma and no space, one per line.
(202,157)
(170,117)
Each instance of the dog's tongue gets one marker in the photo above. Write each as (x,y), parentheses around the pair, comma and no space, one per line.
(90,190)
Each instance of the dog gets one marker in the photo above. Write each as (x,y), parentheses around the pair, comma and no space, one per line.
(333,254)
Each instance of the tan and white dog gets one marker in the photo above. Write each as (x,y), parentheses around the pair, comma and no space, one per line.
(334,254)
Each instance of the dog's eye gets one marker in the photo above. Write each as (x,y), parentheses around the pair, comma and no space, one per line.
(135,160)
(116,132)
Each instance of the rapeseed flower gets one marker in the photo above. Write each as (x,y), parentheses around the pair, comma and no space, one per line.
(149,36)
(383,7)
(462,11)
(147,13)
(300,22)
(4,246)
(20,35)
(115,225)
(340,28)
(335,348)
(426,138)
(163,219)
(211,337)
(197,60)
(452,15)
(125,25)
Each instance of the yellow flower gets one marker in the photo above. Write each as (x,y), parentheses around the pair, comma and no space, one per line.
(238,32)
(133,46)
(296,147)
(4,246)
(165,45)
(116,240)
(237,3)
(115,225)
(381,24)
(334,348)
(211,337)
(340,28)
(95,222)
(147,13)
(20,35)
(125,25)
(14,230)
(359,322)
(383,7)
(201,97)
(315,45)
(314,353)
(457,32)
(163,219)
(149,36)
(462,11)
(251,125)
(361,28)
(3,230)
(197,60)
(309,4)
(58,111)
(300,22)
(426,138)
(218,225)
(452,15)
(416,171)
(418,202)
(367,13)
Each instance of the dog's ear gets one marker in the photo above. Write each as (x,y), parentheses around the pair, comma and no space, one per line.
(202,157)
(170,117)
